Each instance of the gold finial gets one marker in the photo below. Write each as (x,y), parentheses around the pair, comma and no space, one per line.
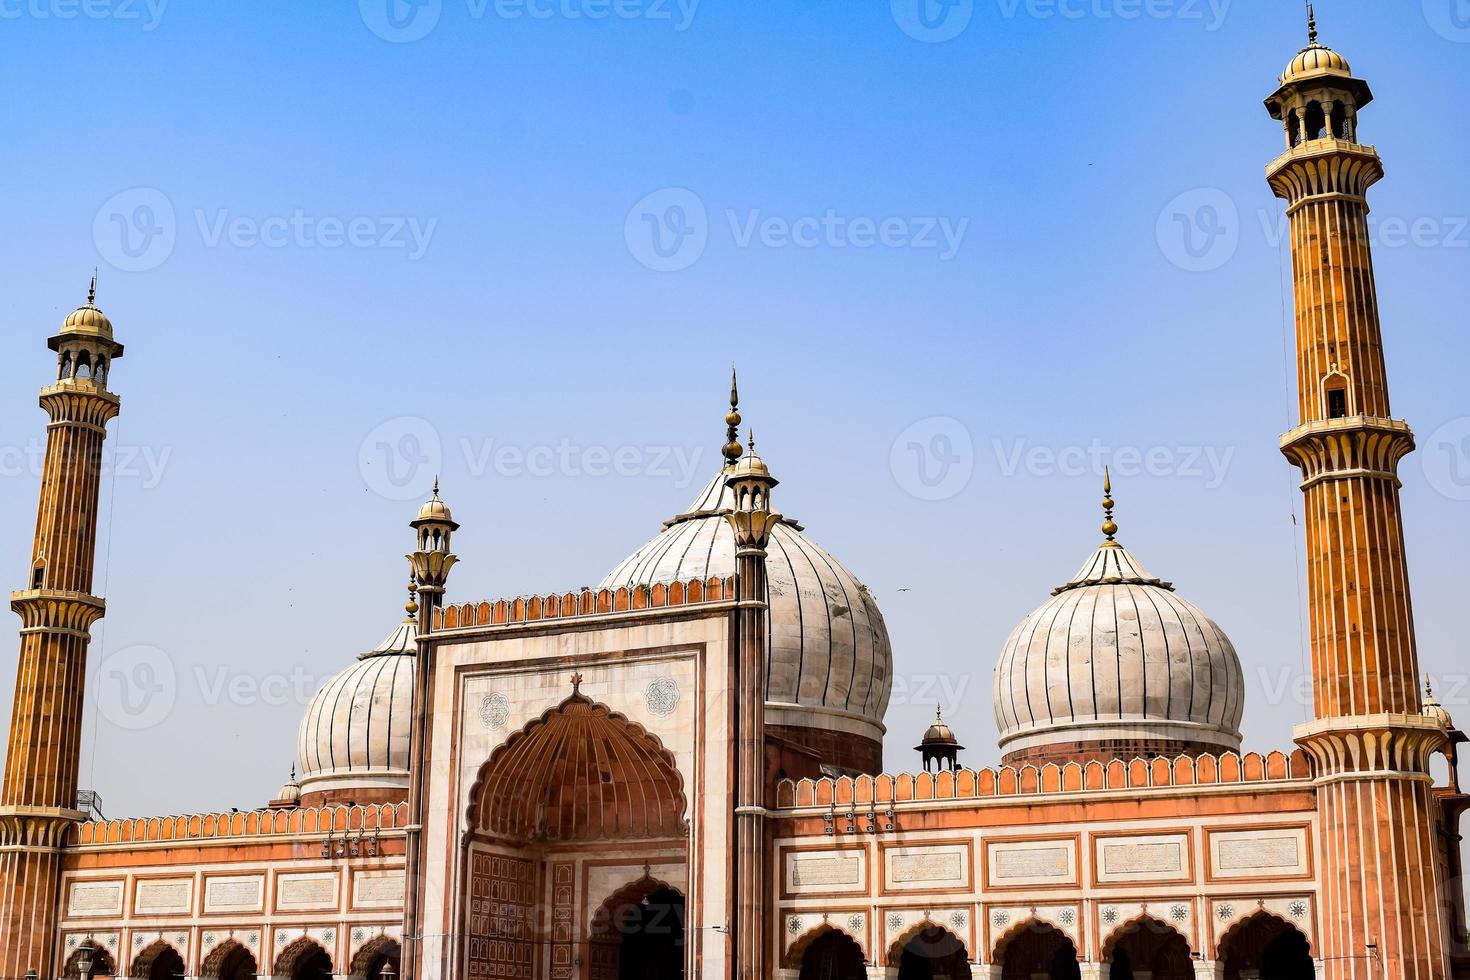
(731,448)
(412,608)
(92,290)
(938,717)
(752,440)
(436,486)
(1428,688)
(1109,527)
(1311,25)
(577,682)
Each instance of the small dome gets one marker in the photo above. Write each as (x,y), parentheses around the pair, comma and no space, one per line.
(290,794)
(751,465)
(87,320)
(938,734)
(1314,61)
(435,510)
(1115,661)
(355,736)
(1435,711)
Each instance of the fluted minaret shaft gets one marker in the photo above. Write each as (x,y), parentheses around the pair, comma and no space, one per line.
(1370,745)
(38,796)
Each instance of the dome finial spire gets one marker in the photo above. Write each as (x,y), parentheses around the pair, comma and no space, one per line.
(92,290)
(1109,527)
(1311,24)
(731,449)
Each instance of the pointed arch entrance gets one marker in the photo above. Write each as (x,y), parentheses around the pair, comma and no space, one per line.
(1147,949)
(580,774)
(1037,949)
(830,954)
(1267,946)
(930,952)
(159,961)
(638,934)
(229,961)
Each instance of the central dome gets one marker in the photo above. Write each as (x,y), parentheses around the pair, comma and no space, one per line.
(1115,665)
(830,661)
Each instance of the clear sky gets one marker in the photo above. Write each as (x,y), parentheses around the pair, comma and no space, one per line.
(521,243)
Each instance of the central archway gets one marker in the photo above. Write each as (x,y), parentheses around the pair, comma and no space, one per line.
(229,961)
(159,962)
(638,934)
(580,775)
(832,955)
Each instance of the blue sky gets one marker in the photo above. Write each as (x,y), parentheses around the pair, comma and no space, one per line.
(320,237)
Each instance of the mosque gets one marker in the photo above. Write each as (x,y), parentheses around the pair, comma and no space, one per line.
(680,773)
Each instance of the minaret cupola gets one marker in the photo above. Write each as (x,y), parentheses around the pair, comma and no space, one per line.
(1318,97)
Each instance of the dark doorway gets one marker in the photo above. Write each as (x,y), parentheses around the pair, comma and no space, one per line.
(833,956)
(1039,950)
(934,954)
(314,964)
(1150,949)
(1268,947)
(238,964)
(648,936)
(167,965)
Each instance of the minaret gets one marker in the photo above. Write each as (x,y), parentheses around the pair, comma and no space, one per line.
(1381,915)
(429,565)
(38,801)
(752,519)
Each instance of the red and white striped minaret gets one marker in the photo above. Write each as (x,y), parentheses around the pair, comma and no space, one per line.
(1382,916)
(38,800)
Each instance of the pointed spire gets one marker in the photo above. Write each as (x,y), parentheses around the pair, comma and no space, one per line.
(1428,688)
(92,290)
(436,486)
(731,448)
(752,440)
(1311,25)
(1109,527)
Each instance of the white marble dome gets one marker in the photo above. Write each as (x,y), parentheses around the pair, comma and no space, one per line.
(354,738)
(830,660)
(1115,658)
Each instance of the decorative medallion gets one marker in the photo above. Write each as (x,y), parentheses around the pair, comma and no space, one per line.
(662,696)
(329,934)
(958,920)
(855,923)
(137,940)
(1298,909)
(71,942)
(281,938)
(1224,912)
(1179,913)
(1110,915)
(793,925)
(1068,917)
(1002,918)
(895,922)
(494,711)
(252,939)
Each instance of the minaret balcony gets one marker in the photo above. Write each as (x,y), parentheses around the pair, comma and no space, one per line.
(53,610)
(1347,448)
(1303,173)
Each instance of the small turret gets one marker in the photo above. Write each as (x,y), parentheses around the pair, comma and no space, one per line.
(939,746)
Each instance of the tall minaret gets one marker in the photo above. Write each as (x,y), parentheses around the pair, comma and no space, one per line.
(752,519)
(1381,914)
(38,801)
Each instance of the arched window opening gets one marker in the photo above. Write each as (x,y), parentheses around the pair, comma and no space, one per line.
(231,961)
(377,956)
(1337,398)
(159,962)
(1316,121)
(1340,125)
(38,576)
(102,963)
(1293,128)
(84,366)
